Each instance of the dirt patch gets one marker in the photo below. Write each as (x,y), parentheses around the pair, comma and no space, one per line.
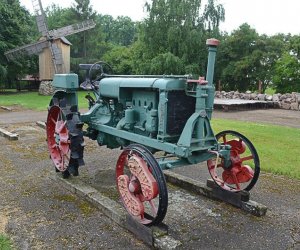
(3,223)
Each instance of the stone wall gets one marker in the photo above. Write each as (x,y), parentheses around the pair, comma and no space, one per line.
(284,101)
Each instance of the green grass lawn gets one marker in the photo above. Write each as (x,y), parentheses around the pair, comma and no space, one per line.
(5,243)
(32,100)
(278,147)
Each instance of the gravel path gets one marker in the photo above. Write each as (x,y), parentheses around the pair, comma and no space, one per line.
(281,117)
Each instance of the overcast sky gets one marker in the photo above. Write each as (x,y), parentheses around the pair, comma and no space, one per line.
(266,16)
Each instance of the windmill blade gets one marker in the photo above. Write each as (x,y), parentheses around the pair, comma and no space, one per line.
(40,17)
(29,49)
(72,29)
(41,24)
(57,58)
(57,54)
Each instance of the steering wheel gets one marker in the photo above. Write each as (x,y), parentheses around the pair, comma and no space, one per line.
(98,66)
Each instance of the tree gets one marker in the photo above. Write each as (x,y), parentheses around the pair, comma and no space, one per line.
(239,59)
(119,57)
(15,30)
(58,17)
(271,49)
(176,27)
(213,15)
(82,11)
(286,76)
(166,63)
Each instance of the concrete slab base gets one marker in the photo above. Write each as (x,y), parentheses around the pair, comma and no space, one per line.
(10,136)
(211,190)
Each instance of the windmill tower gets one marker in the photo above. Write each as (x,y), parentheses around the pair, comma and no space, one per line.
(52,48)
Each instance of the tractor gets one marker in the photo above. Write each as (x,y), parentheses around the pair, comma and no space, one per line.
(158,121)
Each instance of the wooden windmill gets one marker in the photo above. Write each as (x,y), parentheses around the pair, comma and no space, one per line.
(53,49)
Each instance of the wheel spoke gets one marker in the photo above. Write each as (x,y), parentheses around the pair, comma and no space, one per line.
(247,158)
(54,121)
(224,138)
(60,127)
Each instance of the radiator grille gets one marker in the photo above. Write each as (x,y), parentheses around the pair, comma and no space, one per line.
(180,107)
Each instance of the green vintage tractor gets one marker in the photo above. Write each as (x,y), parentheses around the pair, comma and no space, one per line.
(147,116)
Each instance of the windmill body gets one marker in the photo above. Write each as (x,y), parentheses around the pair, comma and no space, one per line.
(46,68)
(53,48)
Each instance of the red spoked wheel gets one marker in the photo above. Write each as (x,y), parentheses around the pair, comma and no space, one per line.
(58,138)
(243,172)
(141,185)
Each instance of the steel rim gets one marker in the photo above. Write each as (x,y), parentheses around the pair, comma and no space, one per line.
(245,166)
(58,138)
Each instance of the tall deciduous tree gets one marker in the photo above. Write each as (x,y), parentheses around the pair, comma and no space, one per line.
(213,15)
(239,59)
(177,27)
(81,11)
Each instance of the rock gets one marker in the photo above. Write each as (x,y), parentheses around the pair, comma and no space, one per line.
(282,97)
(261,97)
(288,100)
(297,95)
(248,92)
(285,105)
(294,106)
(253,96)
(276,98)
(247,96)
(269,98)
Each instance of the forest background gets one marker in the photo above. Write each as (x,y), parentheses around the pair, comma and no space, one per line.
(169,40)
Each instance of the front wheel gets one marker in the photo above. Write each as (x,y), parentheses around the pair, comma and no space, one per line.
(141,185)
(243,172)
